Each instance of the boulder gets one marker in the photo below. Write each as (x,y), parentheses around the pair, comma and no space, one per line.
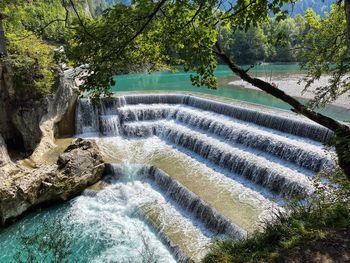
(80,166)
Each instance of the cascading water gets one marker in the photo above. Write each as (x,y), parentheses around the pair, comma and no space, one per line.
(293,150)
(275,177)
(87,117)
(194,169)
(103,227)
(281,123)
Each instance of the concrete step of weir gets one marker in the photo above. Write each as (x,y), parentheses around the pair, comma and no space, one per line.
(188,243)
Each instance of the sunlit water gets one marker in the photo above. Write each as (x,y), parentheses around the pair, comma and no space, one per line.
(180,81)
(103,228)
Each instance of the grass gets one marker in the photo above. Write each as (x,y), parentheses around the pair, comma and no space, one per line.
(308,220)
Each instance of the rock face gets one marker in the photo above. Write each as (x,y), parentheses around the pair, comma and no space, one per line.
(60,113)
(4,157)
(28,121)
(79,166)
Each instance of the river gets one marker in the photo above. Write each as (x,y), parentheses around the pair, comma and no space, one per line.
(180,81)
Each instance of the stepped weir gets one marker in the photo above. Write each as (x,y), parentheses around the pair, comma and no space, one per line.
(222,169)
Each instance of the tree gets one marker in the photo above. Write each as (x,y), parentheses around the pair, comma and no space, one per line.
(285,37)
(246,47)
(145,31)
(325,52)
(33,29)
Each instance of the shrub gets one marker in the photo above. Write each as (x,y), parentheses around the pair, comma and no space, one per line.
(32,64)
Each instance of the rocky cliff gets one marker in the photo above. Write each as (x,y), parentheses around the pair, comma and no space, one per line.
(28,125)
(22,188)
(28,122)
(60,117)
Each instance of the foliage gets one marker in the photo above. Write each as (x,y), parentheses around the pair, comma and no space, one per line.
(152,32)
(49,243)
(45,19)
(32,64)
(246,47)
(33,30)
(187,32)
(328,208)
(326,52)
(285,37)
(110,50)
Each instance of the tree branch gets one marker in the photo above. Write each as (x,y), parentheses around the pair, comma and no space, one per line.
(237,12)
(79,18)
(335,126)
(142,28)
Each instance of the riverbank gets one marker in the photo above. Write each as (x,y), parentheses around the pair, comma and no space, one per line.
(291,86)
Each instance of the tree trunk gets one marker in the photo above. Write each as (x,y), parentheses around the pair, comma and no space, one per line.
(341,131)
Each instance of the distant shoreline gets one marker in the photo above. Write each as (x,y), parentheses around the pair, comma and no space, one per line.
(291,87)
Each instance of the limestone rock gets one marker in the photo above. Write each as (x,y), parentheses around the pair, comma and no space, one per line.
(4,157)
(80,166)
(60,109)
(28,121)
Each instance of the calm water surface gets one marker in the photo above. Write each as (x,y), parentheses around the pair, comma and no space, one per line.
(180,81)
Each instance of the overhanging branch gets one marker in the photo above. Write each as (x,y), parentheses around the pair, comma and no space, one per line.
(335,126)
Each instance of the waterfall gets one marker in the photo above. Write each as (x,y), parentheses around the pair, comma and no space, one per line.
(171,147)
(109,124)
(281,123)
(188,200)
(110,105)
(175,250)
(87,120)
(98,117)
(238,133)
(293,126)
(202,211)
(243,138)
(260,171)
(284,124)
(156,99)
(252,137)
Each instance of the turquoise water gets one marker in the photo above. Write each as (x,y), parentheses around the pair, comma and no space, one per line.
(104,228)
(180,81)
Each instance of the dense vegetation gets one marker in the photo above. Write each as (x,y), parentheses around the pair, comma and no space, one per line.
(49,24)
(273,41)
(34,29)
